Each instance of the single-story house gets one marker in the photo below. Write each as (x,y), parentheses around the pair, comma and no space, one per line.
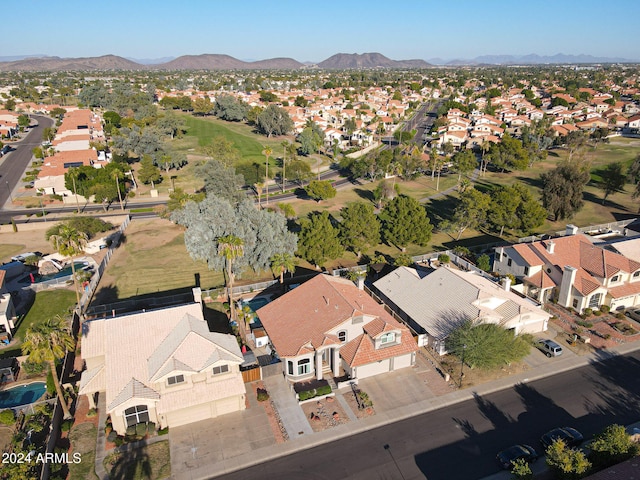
(328,324)
(435,302)
(162,366)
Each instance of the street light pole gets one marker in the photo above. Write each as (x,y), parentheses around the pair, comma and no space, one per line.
(9,189)
(464,349)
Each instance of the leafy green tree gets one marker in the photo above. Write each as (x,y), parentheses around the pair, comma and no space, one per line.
(311,139)
(179,198)
(320,190)
(566,462)
(509,154)
(23,121)
(403,136)
(613,179)
(384,192)
(223,150)
(221,180)
(612,446)
(170,124)
(49,342)
(562,189)
(230,109)
(267,96)
(464,163)
(484,262)
(319,240)
(405,221)
(298,170)
(149,172)
(360,227)
(402,260)
(470,213)
(263,233)
(274,120)
(300,101)
(633,175)
(487,345)
(202,106)
(112,118)
(513,207)
(10,104)
(173,160)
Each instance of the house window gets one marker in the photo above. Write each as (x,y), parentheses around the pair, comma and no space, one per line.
(509,263)
(342,336)
(387,338)
(135,415)
(526,270)
(290,367)
(304,366)
(594,301)
(175,380)
(615,278)
(636,274)
(220,369)
(575,303)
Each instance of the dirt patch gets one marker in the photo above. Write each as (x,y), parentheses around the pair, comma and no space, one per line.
(150,462)
(277,428)
(478,376)
(83,441)
(5,436)
(20,242)
(324,414)
(353,405)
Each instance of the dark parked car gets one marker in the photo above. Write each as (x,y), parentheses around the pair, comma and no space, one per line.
(633,313)
(570,436)
(516,452)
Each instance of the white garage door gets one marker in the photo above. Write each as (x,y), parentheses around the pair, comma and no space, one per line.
(189,415)
(402,362)
(227,405)
(372,369)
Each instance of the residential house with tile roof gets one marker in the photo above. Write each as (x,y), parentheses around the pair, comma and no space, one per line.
(162,366)
(572,270)
(7,311)
(436,301)
(327,324)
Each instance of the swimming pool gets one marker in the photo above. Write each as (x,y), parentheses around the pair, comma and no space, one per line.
(66,271)
(256,303)
(22,394)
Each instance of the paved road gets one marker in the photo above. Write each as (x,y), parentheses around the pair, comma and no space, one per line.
(13,165)
(460,441)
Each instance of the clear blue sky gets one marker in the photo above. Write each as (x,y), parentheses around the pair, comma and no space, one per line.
(315,30)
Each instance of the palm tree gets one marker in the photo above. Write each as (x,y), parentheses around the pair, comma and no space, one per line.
(70,242)
(116,174)
(49,342)
(267,153)
(259,187)
(230,247)
(281,263)
(73,173)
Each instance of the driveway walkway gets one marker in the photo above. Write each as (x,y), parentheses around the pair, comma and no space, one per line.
(285,401)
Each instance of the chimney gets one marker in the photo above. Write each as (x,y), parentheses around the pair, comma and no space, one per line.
(551,246)
(360,282)
(571,230)
(197,294)
(568,279)
(506,284)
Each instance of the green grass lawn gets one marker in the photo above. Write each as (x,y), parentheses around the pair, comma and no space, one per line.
(152,462)
(47,304)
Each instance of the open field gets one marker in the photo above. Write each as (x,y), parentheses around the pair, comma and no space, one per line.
(154,259)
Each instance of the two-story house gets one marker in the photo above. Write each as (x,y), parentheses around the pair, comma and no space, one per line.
(162,366)
(328,325)
(573,271)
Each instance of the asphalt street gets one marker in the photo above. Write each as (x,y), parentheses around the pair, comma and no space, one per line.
(461,441)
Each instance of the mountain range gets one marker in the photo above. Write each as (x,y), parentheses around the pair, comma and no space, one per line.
(341,61)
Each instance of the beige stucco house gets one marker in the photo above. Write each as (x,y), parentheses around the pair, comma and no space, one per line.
(162,366)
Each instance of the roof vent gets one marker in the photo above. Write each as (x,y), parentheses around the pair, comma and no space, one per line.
(326,300)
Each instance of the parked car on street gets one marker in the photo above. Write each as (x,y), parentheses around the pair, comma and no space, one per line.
(509,455)
(549,348)
(570,436)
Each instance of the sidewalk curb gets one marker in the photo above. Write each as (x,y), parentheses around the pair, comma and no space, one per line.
(266,454)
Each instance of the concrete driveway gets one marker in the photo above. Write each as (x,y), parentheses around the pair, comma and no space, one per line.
(198,446)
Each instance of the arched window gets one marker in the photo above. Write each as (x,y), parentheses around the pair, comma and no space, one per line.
(342,336)
(135,415)
(304,366)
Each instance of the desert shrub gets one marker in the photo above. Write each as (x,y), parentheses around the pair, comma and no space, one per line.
(364,399)
(262,395)
(597,313)
(111,436)
(604,308)
(119,441)
(51,386)
(444,258)
(588,311)
(584,324)
(66,425)
(7,417)
(141,429)
(163,431)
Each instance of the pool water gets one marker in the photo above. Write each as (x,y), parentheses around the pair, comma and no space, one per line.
(66,271)
(254,304)
(21,395)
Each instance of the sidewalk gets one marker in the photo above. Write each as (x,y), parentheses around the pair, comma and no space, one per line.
(303,442)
